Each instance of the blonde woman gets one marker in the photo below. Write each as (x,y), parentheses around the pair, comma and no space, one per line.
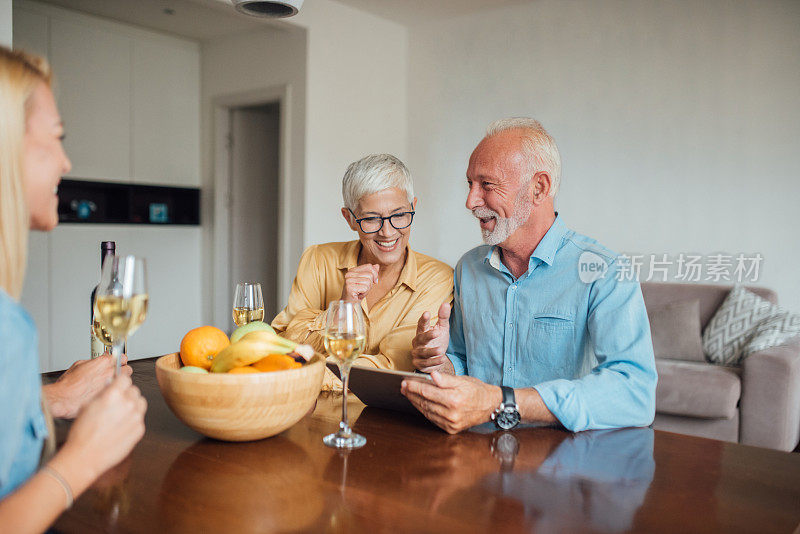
(110,419)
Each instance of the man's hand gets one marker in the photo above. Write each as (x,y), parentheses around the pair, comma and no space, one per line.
(80,383)
(430,344)
(359,280)
(453,403)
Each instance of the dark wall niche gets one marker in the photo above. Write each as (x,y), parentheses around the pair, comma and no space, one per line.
(84,201)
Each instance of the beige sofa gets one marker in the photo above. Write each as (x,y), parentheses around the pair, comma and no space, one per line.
(755,404)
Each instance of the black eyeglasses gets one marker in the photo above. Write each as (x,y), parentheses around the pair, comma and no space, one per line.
(371,225)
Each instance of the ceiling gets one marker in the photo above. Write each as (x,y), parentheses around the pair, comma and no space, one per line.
(207,19)
(193,19)
(410,12)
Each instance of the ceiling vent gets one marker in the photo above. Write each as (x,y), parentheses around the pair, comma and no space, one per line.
(268,8)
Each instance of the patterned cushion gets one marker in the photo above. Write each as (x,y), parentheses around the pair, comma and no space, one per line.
(774,331)
(746,323)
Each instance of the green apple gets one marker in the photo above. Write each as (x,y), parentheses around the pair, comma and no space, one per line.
(193,369)
(254,326)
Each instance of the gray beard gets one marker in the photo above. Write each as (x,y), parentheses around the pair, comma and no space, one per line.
(504,227)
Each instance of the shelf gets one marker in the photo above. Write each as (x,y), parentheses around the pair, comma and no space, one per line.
(91,202)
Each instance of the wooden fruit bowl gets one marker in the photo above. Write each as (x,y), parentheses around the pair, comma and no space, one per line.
(239,407)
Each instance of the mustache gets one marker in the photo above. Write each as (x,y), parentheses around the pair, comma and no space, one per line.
(484,213)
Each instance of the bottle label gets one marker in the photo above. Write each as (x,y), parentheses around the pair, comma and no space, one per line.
(97,346)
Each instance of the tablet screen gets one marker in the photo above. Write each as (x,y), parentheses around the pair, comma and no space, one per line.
(380,387)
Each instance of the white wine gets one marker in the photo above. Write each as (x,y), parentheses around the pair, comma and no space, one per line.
(242,316)
(345,347)
(120,316)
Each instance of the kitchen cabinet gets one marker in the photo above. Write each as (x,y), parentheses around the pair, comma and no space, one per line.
(129,97)
(92,67)
(166,121)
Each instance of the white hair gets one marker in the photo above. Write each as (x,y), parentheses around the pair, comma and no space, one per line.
(538,147)
(374,173)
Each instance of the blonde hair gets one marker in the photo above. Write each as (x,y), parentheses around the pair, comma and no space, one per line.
(538,146)
(20,74)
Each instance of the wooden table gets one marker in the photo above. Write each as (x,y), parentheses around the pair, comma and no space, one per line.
(412,477)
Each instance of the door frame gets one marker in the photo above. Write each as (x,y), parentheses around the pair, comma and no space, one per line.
(221,283)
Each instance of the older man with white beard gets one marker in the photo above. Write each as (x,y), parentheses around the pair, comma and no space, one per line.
(542,329)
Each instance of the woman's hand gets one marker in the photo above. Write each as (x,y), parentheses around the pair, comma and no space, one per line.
(359,280)
(80,383)
(104,433)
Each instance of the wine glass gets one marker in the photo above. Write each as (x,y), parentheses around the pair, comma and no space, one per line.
(248,304)
(121,303)
(345,337)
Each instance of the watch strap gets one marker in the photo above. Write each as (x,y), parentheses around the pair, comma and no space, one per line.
(508,396)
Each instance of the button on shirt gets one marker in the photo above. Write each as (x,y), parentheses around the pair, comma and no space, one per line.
(572,327)
(22,424)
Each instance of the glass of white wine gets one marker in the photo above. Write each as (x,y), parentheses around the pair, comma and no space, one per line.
(248,304)
(120,306)
(345,337)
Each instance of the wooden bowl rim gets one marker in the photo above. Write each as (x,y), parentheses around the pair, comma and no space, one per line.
(161,365)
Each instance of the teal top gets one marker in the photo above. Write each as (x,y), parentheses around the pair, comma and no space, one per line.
(22,423)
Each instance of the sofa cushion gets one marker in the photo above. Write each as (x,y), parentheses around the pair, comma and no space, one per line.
(675,328)
(696,389)
(775,331)
(746,323)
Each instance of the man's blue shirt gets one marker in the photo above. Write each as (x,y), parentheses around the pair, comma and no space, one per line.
(583,343)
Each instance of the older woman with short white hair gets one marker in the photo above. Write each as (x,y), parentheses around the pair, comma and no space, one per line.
(394,284)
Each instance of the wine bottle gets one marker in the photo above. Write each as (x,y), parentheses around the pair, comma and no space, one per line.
(100,338)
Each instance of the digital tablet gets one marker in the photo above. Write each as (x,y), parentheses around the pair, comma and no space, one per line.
(380,387)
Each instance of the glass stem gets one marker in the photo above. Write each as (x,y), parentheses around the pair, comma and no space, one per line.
(344,370)
(116,352)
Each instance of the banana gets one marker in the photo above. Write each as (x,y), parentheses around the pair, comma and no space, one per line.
(253,347)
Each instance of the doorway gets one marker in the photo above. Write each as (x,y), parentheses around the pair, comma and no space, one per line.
(249,231)
(254,199)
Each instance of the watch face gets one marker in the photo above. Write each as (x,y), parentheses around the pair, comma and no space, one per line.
(507,418)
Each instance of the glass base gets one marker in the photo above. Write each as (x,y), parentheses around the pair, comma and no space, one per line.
(342,441)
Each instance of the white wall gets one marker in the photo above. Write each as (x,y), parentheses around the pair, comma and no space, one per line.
(356,104)
(678,122)
(5,22)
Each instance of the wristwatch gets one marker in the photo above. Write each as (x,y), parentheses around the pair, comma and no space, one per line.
(506,416)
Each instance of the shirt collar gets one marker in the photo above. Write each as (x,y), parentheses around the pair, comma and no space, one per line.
(348,258)
(550,243)
(545,251)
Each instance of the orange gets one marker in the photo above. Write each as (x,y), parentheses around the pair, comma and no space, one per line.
(201,344)
(244,370)
(276,362)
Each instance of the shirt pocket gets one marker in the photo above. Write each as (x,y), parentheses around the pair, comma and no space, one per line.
(553,320)
(551,339)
